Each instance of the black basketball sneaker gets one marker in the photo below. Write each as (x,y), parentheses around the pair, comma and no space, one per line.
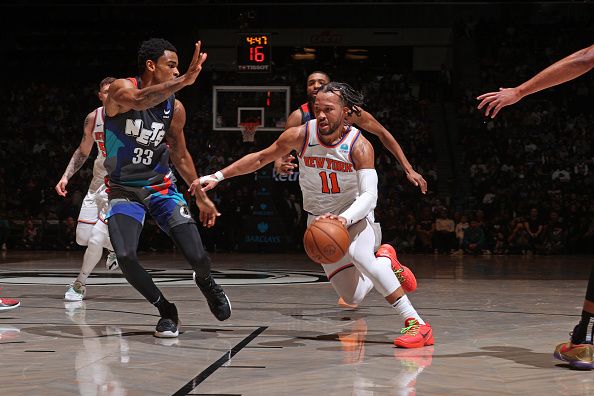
(218,302)
(166,328)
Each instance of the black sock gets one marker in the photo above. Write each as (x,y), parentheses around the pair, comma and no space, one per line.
(204,282)
(166,309)
(580,331)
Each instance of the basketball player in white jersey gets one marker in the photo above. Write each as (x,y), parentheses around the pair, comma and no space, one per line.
(358,117)
(91,230)
(338,180)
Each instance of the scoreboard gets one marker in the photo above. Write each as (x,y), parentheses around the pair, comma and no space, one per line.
(253,52)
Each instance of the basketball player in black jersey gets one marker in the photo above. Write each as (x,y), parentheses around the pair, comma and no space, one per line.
(144,129)
(359,117)
(579,351)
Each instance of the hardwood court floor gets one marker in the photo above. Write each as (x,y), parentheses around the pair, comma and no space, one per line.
(496,322)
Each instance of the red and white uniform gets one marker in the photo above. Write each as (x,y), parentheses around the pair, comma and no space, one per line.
(91,219)
(99,171)
(329,183)
(327,174)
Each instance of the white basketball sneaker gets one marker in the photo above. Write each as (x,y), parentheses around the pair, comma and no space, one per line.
(75,292)
(111,263)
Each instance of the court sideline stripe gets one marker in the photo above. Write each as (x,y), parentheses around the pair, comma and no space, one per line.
(197,380)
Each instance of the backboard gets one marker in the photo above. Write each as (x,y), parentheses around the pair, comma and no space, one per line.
(233,105)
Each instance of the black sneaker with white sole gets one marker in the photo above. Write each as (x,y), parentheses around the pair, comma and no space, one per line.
(218,302)
(166,328)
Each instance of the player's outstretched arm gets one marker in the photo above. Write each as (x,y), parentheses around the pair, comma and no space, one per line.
(291,139)
(80,155)
(368,122)
(562,71)
(285,165)
(124,96)
(182,160)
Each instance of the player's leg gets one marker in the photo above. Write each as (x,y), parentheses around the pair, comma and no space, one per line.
(87,219)
(187,239)
(350,284)
(101,198)
(172,214)
(77,290)
(102,235)
(125,225)
(416,332)
(387,254)
(579,351)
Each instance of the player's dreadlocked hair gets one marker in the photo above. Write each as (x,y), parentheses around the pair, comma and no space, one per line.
(152,49)
(350,98)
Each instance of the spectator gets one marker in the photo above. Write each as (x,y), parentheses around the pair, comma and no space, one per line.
(425,228)
(444,237)
(30,238)
(533,228)
(554,236)
(474,238)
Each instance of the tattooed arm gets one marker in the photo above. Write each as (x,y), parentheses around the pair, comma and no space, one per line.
(80,155)
(124,95)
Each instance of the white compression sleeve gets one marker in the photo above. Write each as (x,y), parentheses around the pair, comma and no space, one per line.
(367,198)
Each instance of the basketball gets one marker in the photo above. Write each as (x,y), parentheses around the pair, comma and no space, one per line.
(326,241)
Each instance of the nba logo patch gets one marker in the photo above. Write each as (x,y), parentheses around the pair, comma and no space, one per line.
(185,212)
(344,148)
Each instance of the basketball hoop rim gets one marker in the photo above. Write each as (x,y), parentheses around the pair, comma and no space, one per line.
(249,126)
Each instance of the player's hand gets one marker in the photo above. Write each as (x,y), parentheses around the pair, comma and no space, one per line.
(61,187)
(495,101)
(195,65)
(285,165)
(418,180)
(208,210)
(333,217)
(205,183)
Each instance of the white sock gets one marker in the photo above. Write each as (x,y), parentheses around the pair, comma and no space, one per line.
(90,259)
(405,309)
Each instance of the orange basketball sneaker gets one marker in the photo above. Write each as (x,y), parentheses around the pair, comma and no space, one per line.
(404,274)
(415,335)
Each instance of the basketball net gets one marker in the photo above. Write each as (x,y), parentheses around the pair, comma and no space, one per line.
(248,131)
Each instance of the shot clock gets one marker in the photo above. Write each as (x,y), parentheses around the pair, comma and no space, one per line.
(253,52)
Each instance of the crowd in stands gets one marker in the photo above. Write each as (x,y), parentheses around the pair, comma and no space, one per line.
(529,171)
(530,168)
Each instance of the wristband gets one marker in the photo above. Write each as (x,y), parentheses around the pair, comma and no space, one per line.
(219,176)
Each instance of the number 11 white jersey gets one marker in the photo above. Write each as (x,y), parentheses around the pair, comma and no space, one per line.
(327,174)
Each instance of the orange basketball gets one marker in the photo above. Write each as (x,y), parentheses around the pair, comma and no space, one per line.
(326,241)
